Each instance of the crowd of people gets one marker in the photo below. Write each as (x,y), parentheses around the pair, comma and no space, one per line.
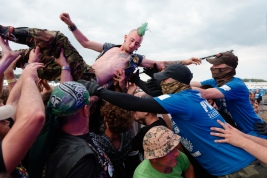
(102,120)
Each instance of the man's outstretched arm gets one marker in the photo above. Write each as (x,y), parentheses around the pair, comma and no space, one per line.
(164,64)
(210,93)
(124,100)
(254,145)
(81,38)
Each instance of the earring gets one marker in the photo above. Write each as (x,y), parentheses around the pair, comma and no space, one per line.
(124,40)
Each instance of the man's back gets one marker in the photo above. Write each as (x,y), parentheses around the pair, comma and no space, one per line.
(65,157)
(192,122)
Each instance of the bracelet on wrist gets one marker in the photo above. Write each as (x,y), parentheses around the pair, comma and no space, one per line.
(72,28)
(11,80)
(65,68)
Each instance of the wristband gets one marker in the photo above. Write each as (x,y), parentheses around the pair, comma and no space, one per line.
(11,80)
(65,68)
(72,28)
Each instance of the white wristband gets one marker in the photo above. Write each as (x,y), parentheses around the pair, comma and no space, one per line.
(65,68)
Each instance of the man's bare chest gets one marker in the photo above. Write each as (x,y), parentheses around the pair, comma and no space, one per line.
(114,56)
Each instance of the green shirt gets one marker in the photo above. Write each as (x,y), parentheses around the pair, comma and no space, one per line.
(145,170)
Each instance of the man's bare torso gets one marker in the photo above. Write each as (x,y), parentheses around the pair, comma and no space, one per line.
(105,67)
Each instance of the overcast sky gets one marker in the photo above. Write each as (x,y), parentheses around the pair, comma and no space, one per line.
(178,29)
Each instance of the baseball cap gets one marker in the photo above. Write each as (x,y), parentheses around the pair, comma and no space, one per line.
(68,98)
(159,141)
(6,112)
(177,72)
(227,58)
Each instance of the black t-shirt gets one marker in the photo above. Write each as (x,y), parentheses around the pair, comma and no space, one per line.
(2,164)
(137,142)
(18,172)
(85,168)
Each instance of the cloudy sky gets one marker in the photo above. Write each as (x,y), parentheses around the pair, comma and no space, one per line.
(178,29)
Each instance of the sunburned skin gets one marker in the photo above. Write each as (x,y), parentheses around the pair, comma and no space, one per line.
(116,58)
(113,60)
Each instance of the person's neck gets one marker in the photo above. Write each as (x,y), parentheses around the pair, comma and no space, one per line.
(123,51)
(161,169)
(76,127)
(151,119)
(111,135)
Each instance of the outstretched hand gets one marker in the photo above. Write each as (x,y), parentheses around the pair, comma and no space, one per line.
(35,55)
(30,71)
(12,66)
(153,85)
(229,133)
(150,71)
(65,17)
(61,61)
(120,79)
(260,127)
(7,54)
(192,60)
(135,77)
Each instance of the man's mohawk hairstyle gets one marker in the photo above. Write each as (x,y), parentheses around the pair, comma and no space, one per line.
(142,29)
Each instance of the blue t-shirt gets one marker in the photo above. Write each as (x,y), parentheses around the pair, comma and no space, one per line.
(237,104)
(192,117)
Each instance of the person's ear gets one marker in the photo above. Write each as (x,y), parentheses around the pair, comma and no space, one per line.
(125,37)
(154,160)
(86,110)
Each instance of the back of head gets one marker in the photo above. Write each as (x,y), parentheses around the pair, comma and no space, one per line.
(68,98)
(159,141)
(119,120)
(177,72)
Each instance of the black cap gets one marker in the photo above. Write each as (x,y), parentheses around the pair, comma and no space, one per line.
(177,72)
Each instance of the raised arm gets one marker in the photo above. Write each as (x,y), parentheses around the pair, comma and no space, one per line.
(9,74)
(163,64)
(81,38)
(30,119)
(65,68)
(254,145)
(7,55)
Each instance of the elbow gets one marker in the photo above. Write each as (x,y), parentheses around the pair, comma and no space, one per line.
(84,43)
(37,119)
(40,118)
(204,95)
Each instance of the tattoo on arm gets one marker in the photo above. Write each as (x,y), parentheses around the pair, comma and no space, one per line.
(123,55)
(167,63)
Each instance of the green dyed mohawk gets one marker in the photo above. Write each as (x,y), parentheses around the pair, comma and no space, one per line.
(142,29)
